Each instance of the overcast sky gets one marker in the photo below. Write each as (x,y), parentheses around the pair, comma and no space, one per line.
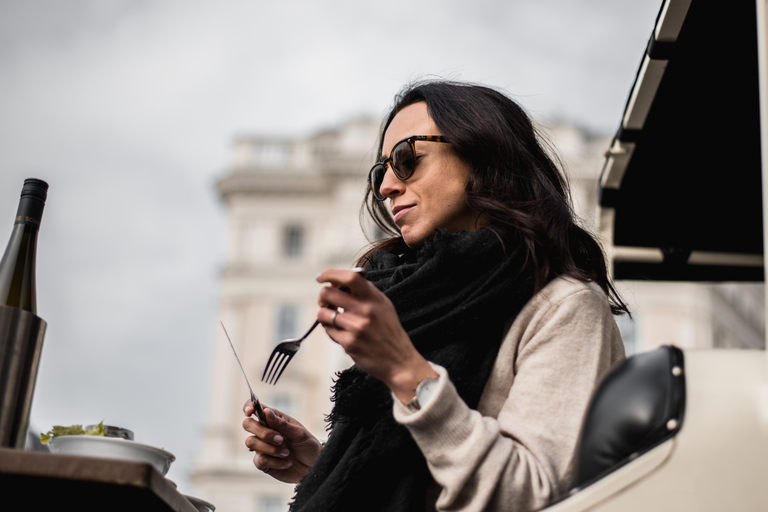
(128,108)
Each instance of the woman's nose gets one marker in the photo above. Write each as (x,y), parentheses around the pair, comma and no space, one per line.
(391,185)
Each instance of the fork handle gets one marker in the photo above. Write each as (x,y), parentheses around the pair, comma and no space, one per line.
(314,325)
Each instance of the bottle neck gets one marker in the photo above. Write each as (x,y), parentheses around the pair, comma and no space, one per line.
(29,213)
(17,266)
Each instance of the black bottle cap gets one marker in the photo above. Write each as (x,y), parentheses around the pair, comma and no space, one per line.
(35,188)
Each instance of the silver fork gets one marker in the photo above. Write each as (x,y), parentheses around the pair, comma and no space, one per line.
(282,355)
(285,350)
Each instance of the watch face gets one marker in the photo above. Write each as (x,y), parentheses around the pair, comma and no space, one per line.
(425,391)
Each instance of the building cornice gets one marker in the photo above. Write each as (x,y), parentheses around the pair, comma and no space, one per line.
(279,183)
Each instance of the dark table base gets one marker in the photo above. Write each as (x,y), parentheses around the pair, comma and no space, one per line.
(48,481)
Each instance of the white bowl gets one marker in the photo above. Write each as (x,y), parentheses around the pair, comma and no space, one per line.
(113,448)
(200,505)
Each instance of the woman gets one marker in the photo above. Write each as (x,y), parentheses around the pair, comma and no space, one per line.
(481,330)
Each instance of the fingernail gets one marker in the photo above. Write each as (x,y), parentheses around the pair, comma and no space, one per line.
(288,463)
(278,439)
(284,453)
(317,277)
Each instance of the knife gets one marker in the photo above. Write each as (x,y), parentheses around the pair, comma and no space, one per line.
(254,398)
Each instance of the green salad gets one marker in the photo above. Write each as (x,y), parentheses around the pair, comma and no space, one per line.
(73,430)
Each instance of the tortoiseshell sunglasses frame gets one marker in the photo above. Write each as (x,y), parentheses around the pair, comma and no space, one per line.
(411,142)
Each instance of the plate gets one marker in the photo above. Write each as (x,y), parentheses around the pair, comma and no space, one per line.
(112,448)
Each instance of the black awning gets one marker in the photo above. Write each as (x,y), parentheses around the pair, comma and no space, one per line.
(681,184)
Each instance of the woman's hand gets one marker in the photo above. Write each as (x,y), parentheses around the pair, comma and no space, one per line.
(370,332)
(284,449)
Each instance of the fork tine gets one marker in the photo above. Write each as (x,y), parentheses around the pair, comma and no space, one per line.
(276,355)
(280,368)
(275,366)
(282,355)
(285,364)
(269,363)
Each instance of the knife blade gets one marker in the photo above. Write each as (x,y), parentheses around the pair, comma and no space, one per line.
(254,398)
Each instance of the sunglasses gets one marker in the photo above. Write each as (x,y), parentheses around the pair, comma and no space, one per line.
(402,161)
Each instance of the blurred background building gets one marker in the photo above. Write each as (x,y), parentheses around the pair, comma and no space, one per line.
(294,210)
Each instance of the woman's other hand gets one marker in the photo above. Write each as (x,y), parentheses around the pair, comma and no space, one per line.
(284,449)
(370,332)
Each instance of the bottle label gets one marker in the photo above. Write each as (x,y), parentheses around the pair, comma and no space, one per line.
(30,211)
(26,219)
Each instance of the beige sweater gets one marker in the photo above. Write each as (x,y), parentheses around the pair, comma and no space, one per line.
(517,451)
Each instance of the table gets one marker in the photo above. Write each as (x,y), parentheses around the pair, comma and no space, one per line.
(47,481)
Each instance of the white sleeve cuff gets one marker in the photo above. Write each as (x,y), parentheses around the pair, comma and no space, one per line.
(405,415)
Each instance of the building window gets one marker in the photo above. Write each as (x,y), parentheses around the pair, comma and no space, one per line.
(283,403)
(293,241)
(287,322)
(270,504)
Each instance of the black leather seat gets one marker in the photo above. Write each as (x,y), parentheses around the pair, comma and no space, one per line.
(638,405)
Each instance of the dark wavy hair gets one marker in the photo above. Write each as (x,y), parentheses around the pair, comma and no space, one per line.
(515,181)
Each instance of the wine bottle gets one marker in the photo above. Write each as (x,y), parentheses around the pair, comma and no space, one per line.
(17,268)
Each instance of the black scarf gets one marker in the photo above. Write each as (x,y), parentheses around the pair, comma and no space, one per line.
(454,298)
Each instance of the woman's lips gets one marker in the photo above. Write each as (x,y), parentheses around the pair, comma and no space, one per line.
(399,211)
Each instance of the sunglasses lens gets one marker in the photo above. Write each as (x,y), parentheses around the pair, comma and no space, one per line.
(402,163)
(376,177)
(403,160)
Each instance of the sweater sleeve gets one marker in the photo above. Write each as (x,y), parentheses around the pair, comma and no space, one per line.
(524,456)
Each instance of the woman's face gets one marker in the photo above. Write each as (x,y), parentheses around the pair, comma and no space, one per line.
(435,196)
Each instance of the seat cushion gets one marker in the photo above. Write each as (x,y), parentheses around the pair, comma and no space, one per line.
(639,404)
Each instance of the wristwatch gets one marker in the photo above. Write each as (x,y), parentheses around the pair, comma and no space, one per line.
(424,392)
